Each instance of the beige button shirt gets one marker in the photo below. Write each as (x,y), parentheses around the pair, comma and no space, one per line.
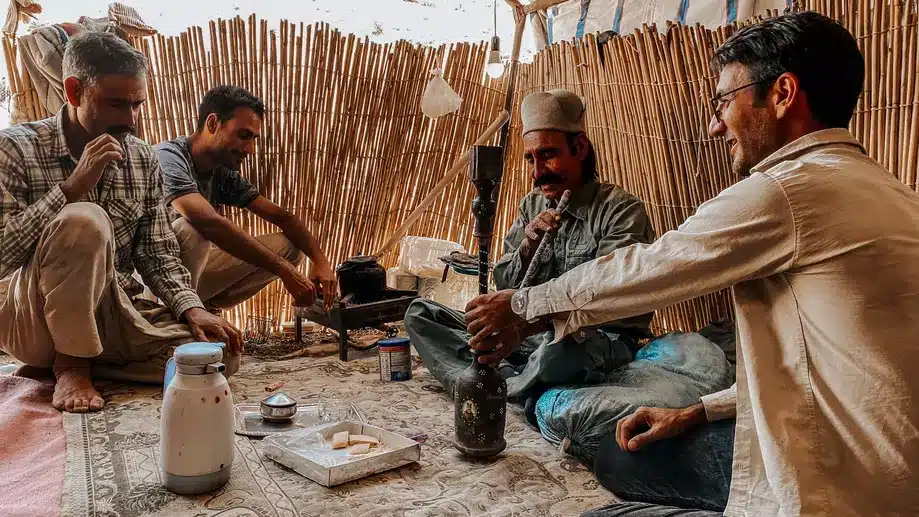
(821,248)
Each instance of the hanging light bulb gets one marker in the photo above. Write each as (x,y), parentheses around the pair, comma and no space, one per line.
(495,67)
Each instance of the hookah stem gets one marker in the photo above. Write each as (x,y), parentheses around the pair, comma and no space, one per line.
(484,244)
(543,245)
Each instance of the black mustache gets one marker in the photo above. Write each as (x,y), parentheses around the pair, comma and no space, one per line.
(114,130)
(545,179)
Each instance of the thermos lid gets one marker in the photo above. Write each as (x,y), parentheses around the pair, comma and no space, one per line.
(279,400)
(198,354)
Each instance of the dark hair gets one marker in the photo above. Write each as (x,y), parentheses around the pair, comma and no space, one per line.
(822,54)
(589,165)
(223,101)
(92,54)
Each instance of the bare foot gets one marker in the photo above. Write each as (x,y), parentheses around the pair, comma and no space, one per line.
(33,372)
(74,392)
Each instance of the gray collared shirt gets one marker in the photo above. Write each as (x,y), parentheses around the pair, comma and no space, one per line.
(599,219)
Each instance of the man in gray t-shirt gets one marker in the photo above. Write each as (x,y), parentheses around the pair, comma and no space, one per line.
(221,186)
(200,174)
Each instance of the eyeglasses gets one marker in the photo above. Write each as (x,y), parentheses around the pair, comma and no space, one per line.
(721,101)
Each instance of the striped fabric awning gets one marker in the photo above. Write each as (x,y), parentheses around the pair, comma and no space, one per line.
(575,18)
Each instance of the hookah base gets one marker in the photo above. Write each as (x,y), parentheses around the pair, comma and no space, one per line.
(480,451)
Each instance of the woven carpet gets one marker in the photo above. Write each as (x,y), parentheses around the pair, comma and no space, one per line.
(112,457)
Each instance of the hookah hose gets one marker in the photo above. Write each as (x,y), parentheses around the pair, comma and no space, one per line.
(544,245)
(541,250)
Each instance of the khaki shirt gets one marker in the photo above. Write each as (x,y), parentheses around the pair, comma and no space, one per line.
(599,218)
(821,248)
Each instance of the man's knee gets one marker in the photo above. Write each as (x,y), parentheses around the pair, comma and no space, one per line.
(84,225)
(634,476)
(189,238)
(618,470)
(612,465)
(419,311)
(282,246)
(231,363)
(289,251)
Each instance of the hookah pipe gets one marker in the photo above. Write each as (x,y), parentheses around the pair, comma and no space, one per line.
(479,392)
(542,253)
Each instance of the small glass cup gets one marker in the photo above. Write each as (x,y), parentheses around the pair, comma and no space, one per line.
(335,411)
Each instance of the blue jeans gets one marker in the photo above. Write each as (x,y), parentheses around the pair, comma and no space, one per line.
(691,471)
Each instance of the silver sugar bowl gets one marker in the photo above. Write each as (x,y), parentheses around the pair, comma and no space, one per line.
(278,407)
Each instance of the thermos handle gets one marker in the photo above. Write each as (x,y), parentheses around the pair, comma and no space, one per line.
(170,373)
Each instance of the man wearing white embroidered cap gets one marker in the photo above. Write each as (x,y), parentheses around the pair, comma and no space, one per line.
(598,219)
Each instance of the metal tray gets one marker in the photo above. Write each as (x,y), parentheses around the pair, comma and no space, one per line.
(249,421)
(309,452)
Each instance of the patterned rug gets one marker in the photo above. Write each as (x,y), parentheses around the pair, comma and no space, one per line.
(112,457)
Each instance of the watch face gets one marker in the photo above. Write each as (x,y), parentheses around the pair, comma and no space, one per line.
(518,302)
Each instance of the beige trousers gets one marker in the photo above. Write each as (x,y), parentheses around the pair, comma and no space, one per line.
(66,299)
(221,279)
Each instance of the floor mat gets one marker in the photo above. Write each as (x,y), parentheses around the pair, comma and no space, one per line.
(113,457)
(32,449)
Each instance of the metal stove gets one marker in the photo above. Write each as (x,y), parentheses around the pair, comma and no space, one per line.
(346,315)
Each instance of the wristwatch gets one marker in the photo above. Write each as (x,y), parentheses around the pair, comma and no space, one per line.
(519,302)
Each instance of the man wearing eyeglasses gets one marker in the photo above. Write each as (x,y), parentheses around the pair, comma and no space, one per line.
(820,245)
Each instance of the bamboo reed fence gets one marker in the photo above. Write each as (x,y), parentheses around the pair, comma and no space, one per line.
(887,117)
(346,148)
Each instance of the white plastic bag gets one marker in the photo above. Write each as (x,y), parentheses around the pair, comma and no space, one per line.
(419,255)
(439,98)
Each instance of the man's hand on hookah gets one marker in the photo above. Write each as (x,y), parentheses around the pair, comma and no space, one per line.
(494,348)
(495,327)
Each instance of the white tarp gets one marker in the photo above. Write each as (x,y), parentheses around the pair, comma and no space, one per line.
(575,18)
